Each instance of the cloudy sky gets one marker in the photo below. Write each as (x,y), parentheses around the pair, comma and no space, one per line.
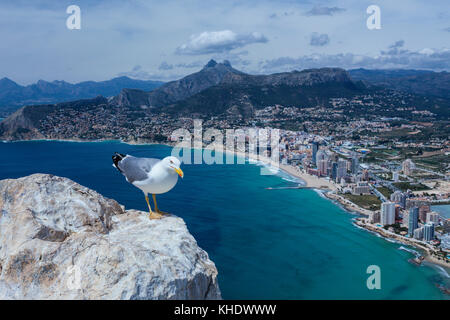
(168,39)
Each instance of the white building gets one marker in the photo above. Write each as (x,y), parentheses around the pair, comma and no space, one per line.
(341,169)
(375,217)
(433,217)
(322,166)
(354,164)
(321,155)
(399,198)
(408,167)
(418,233)
(395,176)
(361,188)
(387,213)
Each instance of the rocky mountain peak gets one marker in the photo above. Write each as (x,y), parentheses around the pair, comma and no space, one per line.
(7,84)
(6,80)
(214,64)
(211,64)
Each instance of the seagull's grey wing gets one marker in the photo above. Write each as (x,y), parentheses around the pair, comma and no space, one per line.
(136,169)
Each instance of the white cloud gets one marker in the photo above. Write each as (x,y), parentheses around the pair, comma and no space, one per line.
(426,51)
(117,35)
(218,42)
(395,57)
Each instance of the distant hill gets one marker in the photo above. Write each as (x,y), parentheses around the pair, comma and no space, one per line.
(13,95)
(219,91)
(212,74)
(422,82)
(26,120)
(241,94)
(218,87)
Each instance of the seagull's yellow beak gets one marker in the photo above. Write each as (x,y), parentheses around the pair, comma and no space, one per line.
(179,171)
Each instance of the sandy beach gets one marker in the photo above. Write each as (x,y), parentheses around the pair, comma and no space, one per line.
(309,180)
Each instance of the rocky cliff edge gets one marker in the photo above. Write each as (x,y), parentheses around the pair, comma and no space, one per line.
(60,240)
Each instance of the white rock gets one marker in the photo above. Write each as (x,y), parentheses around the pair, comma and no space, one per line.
(60,240)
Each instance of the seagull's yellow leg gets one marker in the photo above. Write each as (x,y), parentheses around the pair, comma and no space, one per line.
(156,205)
(152,214)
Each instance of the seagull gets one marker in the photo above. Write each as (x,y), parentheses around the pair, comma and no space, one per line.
(151,175)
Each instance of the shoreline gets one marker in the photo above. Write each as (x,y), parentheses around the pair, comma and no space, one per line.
(310,181)
(348,205)
(425,250)
(87,141)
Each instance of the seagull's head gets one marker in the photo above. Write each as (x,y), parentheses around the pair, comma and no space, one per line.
(173,163)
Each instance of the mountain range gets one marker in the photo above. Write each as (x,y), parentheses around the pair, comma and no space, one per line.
(212,74)
(218,87)
(241,94)
(219,90)
(127,91)
(422,82)
(13,95)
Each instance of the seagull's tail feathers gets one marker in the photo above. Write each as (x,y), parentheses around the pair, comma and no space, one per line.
(116,159)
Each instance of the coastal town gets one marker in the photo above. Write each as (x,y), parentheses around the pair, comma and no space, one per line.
(390,165)
(237,158)
(381,153)
(399,186)
(395,190)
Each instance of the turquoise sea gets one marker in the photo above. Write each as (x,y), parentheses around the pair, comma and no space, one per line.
(266,244)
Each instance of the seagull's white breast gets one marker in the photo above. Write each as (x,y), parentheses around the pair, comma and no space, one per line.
(160,180)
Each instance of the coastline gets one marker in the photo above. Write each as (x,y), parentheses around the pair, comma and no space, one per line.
(88,141)
(310,181)
(425,250)
(348,205)
(322,184)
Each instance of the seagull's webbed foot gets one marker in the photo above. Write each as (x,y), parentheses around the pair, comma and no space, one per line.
(153,215)
(156,206)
